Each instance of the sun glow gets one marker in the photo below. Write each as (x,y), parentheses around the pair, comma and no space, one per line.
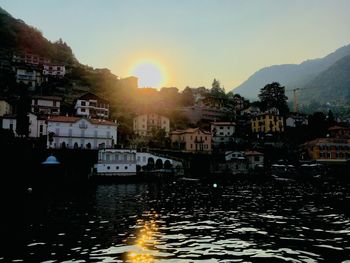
(149,73)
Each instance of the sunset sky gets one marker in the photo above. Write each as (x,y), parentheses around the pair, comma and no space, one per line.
(190,42)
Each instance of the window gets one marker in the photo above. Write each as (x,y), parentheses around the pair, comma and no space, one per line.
(256,158)
(126,168)
(117,167)
(82,110)
(11,126)
(83,103)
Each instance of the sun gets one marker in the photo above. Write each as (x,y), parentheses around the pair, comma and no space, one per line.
(149,74)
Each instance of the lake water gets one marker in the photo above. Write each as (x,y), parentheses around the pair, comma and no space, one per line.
(184,221)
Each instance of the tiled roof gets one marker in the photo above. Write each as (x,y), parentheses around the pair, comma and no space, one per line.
(91,96)
(190,130)
(252,153)
(328,140)
(47,97)
(72,119)
(223,123)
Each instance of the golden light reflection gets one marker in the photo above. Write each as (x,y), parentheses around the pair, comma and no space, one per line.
(145,241)
(149,72)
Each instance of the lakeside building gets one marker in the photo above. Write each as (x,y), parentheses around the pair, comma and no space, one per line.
(296,119)
(5,108)
(200,112)
(46,105)
(328,150)
(144,124)
(222,133)
(267,122)
(254,159)
(118,162)
(92,106)
(191,140)
(37,125)
(80,132)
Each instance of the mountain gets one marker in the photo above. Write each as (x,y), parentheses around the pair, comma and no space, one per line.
(290,75)
(331,85)
(17,36)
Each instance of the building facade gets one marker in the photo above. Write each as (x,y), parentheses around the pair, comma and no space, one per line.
(116,162)
(37,125)
(255,159)
(90,105)
(328,149)
(30,59)
(144,124)
(5,108)
(30,76)
(192,140)
(296,120)
(54,70)
(222,133)
(80,132)
(267,123)
(46,105)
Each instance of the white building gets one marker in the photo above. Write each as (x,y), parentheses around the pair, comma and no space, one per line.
(296,119)
(54,70)
(222,133)
(90,105)
(144,124)
(5,108)
(79,132)
(37,126)
(255,159)
(30,76)
(46,105)
(116,162)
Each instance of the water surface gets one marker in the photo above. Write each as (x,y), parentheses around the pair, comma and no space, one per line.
(185,221)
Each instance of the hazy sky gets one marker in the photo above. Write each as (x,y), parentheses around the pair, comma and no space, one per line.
(194,41)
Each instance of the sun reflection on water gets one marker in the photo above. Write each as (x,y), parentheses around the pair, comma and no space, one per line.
(144,246)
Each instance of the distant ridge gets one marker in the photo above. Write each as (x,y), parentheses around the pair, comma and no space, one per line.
(292,75)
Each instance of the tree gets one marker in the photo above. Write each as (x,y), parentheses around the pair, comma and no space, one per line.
(273,96)
(187,98)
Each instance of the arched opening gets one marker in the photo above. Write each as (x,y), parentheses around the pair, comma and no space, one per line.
(63,145)
(138,168)
(88,146)
(159,164)
(150,163)
(76,146)
(167,164)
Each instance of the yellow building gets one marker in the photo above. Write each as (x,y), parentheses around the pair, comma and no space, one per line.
(267,123)
(145,123)
(5,108)
(328,149)
(192,140)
